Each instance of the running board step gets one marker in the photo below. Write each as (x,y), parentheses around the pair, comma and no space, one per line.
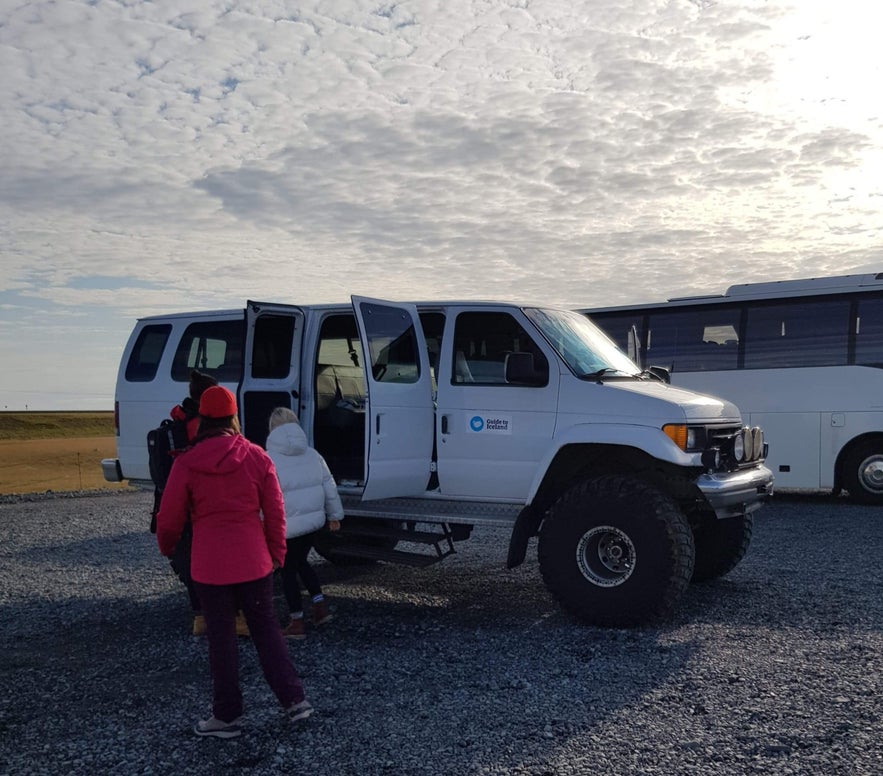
(400,557)
(363,529)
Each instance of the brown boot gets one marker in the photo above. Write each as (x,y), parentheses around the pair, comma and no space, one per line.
(321,615)
(296,629)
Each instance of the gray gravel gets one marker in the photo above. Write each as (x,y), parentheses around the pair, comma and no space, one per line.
(465,668)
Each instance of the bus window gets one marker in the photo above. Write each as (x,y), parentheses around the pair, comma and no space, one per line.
(869,332)
(617,327)
(792,334)
(694,341)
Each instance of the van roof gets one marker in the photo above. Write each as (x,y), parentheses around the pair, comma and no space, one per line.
(341,306)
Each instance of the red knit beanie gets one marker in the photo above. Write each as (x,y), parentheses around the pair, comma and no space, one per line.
(217,402)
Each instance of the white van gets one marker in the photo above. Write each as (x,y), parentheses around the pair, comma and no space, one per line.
(438,417)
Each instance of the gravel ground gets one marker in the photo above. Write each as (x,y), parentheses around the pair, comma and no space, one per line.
(464,668)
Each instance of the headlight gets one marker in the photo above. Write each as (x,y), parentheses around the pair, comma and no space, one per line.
(711,459)
(757,441)
(748,443)
(739,447)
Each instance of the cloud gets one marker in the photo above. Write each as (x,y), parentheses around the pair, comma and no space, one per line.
(173,155)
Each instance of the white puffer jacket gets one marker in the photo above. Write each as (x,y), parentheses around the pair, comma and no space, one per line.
(310,492)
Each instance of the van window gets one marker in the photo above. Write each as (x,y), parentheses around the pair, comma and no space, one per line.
(213,347)
(392,343)
(273,338)
(148,350)
(481,343)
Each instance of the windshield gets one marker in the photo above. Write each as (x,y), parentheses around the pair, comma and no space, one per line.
(585,348)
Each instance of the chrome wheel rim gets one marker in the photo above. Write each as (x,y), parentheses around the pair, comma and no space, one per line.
(606,556)
(870,473)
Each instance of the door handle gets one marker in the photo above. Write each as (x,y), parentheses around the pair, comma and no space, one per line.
(444,424)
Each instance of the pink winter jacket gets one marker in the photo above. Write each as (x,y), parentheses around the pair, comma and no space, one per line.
(226,484)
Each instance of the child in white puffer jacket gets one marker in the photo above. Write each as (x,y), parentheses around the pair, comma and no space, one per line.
(311,500)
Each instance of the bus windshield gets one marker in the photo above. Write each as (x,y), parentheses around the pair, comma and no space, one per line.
(583,346)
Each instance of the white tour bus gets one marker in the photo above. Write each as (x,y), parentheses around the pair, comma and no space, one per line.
(803,359)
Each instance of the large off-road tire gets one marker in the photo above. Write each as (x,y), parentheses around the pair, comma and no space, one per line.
(863,472)
(326,542)
(615,551)
(720,545)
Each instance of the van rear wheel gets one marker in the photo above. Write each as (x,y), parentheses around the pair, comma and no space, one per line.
(616,551)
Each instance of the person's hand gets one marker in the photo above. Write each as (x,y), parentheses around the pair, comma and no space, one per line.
(334,525)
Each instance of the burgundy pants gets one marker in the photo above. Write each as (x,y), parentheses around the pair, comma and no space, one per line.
(219,604)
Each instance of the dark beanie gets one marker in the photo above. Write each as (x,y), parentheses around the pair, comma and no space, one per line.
(199,382)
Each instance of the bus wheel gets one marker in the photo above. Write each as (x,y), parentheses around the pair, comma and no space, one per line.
(863,472)
(616,552)
(720,545)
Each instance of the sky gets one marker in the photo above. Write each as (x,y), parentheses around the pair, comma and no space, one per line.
(192,154)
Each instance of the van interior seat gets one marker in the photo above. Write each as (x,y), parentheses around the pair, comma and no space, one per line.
(341,387)
(340,418)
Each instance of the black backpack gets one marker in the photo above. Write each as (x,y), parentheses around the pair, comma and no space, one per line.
(163,443)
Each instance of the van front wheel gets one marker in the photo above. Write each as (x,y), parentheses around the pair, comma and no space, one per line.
(616,551)
(720,545)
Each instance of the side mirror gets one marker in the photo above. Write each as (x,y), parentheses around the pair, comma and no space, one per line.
(520,370)
(660,373)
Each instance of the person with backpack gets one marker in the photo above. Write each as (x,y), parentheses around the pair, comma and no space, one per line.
(226,486)
(311,502)
(173,436)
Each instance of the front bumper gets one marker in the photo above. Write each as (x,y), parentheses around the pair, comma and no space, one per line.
(737,493)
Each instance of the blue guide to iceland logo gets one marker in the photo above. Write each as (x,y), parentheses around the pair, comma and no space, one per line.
(477,423)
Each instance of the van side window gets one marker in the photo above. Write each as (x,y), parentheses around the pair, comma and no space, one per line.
(213,347)
(273,338)
(433,325)
(481,343)
(392,343)
(148,350)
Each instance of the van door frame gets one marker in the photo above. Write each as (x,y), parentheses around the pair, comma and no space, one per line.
(400,416)
(257,396)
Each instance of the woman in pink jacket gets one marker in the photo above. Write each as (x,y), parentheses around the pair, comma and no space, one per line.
(229,488)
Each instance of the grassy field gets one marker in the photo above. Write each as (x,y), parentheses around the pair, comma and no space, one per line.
(55,425)
(58,451)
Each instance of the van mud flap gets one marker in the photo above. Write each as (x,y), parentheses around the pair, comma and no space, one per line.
(527,524)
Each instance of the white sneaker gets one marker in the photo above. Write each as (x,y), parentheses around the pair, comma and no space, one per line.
(218,728)
(300,710)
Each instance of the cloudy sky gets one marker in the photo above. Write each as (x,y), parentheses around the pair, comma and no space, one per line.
(190,154)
